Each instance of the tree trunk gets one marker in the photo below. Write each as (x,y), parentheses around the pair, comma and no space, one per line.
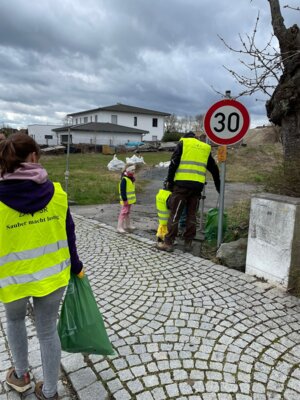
(283,108)
(290,134)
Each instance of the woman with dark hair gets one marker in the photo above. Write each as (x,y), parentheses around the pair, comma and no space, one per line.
(37,253)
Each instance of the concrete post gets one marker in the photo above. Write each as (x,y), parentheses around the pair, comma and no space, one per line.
(273,251)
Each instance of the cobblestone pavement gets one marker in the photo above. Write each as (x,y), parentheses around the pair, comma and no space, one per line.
(182,327)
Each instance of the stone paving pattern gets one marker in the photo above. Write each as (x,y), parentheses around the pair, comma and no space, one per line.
(183,328)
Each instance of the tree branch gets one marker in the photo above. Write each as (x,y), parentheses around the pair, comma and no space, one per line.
(292,8)
(277,21)
(264,67)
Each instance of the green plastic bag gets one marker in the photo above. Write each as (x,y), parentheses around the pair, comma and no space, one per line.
(211,226)
(80,327)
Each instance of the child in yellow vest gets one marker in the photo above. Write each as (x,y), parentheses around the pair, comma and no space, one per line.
(127,198)
(163,213)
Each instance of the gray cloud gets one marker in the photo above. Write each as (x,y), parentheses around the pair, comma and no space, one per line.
(63,56)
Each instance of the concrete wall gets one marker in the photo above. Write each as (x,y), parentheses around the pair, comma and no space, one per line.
(273,251)
(38,133)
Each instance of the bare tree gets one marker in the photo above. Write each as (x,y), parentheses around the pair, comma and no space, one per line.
(66,120)
(199,122)
(184,123)
(276,74)
(262,65)
(171,123)
(283,108)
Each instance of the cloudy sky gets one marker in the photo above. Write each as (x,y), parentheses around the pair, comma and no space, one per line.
(65,56)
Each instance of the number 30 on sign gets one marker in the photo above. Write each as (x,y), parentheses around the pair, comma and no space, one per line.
(226,122)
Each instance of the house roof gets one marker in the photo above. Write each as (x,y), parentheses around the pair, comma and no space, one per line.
(123,108)
(100,127)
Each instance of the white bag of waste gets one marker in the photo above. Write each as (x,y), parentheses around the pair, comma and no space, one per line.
(115,164)
(135,160)
(163,164)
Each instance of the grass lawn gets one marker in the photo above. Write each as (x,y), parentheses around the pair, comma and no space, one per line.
(90,182)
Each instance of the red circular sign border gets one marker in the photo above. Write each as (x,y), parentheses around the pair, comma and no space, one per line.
(213,108)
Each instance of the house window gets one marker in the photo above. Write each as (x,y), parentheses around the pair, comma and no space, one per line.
(134,121)
(47,137)
(64,139)
(96,118)
(114,119)
(91,118)
(154,122)
(154,138)
(85,120)
(76,121)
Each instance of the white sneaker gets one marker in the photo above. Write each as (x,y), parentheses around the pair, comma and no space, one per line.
(121,230)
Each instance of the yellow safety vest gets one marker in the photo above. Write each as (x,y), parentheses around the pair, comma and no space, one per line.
(163,212)
(34,252)
(193,161)
(130,191)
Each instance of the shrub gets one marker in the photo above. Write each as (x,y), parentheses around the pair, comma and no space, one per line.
(171,137)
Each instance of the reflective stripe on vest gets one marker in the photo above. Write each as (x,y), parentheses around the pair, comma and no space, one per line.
(130,191)
(45,273)
(34,252)
(163,212)
(193,161)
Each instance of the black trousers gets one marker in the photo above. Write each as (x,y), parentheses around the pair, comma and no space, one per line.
(180,198)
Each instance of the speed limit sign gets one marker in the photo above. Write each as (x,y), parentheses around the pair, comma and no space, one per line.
(226,122)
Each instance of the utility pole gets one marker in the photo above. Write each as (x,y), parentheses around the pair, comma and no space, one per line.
(67,161)
(222,150)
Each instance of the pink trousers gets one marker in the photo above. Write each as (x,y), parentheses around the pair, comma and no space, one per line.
(125,211)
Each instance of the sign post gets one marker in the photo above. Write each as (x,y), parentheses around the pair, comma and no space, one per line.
(222,152)
(67,173)
(226,122)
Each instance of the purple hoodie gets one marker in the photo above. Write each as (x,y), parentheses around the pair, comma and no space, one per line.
(33,193)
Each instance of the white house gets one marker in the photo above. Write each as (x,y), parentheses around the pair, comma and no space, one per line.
(43,134)
(98,133)
(124,115)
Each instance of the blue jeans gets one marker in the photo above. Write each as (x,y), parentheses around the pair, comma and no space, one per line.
(45,314)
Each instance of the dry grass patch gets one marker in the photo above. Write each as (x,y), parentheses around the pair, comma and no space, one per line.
(252,164)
